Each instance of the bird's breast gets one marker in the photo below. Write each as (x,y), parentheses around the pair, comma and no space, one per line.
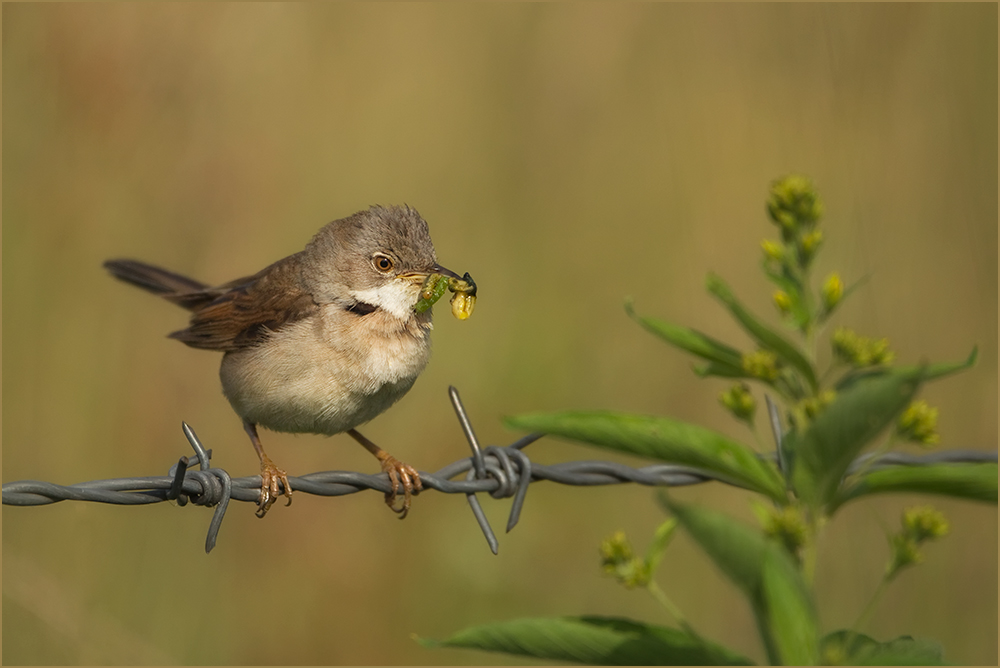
(326,374)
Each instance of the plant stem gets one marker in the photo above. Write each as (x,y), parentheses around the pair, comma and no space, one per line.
(866,614)
(675,612)
(811,344)
(810,328)
(809,556)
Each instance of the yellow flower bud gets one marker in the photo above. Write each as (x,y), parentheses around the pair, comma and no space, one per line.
(811,241)
(783,301)
(833,291)
(808,246)
(773,250)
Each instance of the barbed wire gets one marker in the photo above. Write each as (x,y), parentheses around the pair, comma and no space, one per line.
(500,471)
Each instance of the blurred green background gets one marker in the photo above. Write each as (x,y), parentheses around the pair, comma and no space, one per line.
(568,157)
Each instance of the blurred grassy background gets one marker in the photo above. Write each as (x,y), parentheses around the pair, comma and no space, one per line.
(568,157)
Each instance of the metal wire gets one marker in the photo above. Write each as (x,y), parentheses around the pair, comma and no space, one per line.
(500,471)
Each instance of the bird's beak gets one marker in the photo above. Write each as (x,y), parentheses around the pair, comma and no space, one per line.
(434,269)
(438,269)
(468,286)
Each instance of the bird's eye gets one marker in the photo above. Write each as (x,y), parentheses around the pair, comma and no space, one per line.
(382,262)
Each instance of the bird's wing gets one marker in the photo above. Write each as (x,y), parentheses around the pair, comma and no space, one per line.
(239,314)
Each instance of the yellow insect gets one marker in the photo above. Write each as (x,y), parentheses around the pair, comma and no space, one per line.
(464,299)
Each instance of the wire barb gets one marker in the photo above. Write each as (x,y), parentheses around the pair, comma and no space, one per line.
(505,474)
(499,471)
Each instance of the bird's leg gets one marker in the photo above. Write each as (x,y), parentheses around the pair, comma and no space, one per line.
(397,472)
(269,474)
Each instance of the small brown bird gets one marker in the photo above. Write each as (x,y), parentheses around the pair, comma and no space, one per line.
(320,341)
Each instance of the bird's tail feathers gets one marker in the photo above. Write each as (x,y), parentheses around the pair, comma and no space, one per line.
(181,290)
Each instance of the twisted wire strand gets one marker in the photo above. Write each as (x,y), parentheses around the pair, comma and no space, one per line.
(502,472)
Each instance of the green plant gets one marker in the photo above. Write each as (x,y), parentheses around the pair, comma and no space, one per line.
(831,415)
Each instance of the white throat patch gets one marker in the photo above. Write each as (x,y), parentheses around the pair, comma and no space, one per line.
(397,297)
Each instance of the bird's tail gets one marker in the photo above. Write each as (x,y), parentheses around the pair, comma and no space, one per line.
(178,289)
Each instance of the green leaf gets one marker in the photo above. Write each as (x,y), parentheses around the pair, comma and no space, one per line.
(930,371)
(764,335)
(838,647)
(846,647)
(763,570)
(736,548)
(903,651)
(942,369)
(791,615)
(665,439)
(723,356)
(827,446)
(593,640)
(975,482)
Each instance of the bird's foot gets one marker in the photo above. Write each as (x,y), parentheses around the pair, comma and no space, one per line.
(400,473)
(270,476)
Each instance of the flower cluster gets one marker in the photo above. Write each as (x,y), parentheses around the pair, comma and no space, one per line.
(794,205)
(795,208)
(785,524)
(618,560)
(920,524)
(918,423)
(762,364)
(740,402)
(860,351)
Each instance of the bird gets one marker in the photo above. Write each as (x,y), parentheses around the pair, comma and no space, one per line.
(323,340)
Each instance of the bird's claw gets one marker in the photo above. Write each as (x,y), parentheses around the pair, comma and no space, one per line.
(270,476)
(400,473)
